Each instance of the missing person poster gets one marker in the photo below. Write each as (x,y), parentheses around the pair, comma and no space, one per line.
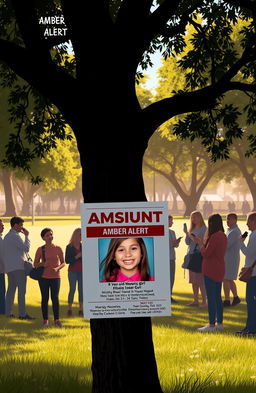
(126,268)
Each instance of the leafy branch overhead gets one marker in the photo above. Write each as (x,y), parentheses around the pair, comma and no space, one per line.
(46,83)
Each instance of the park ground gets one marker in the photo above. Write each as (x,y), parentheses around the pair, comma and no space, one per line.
(33,358)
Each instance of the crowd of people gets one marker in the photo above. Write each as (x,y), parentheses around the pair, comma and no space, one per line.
(220,254)
(13,252)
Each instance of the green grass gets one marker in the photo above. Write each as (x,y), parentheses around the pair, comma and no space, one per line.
(33,358)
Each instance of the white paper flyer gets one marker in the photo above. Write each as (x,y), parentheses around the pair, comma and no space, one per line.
(126,267)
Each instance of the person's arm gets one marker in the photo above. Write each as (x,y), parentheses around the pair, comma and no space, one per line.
(38,258)
(249,250)
(211,247)
(233,238)
(61,258)
(20,244)
(70,255)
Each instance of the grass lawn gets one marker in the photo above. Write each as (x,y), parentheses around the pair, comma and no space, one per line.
(39,359)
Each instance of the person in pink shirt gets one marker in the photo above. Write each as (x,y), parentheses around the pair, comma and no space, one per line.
(126,260)
(51,258)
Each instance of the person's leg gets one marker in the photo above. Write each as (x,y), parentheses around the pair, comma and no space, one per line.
(2,293)
(233,288)
(251,304)
(10,294)
(203,293)
(21,279)
(226,288)
(219,303)
(210,291)
(195,288)
(44,288)
(72,278)
(80,291)
(55,288)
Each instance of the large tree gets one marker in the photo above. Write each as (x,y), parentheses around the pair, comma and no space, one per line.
(95,94)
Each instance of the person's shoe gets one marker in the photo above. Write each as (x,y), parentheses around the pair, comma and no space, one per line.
(45,322)
(173,300)
(236,301)
(193,304)
(241,332)
(246,333)
(219,327)
(80,313)
(27,317)
(226,303)
(207,328)
(69,313)
(57,323)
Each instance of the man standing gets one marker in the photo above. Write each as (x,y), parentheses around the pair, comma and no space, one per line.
(232,260)
(14,252)
(250,256)
(2,279)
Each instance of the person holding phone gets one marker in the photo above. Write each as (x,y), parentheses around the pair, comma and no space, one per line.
(173,244)
(14,250)
(197,229)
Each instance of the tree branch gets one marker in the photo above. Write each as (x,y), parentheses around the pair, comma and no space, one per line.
(131,11)
(27,20)
(50,80)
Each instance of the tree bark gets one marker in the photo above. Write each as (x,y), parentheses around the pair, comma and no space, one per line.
(123,359)
(10,208)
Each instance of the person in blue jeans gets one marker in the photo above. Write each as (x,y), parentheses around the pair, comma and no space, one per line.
(73,257)
(250,256)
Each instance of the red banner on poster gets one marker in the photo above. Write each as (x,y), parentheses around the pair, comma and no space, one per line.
(124,231)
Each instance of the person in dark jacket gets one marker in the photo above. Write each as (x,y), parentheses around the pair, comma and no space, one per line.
(73,257)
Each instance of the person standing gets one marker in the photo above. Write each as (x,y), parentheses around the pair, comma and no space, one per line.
(232,260)
(197,228)
(14,249)
(250,256)
(2,278)
(213,268)
(73,257)
(173,244)
(51,258)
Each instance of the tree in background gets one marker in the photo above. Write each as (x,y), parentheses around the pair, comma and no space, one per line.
(111,128)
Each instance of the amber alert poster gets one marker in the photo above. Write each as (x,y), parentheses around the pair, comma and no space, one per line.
(126,270)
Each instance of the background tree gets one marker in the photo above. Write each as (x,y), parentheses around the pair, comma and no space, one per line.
(58,86)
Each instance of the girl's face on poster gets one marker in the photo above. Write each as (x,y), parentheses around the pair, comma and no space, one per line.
(128,256)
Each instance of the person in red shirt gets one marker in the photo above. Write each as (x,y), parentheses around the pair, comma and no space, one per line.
(51,258)
(213,268)
(73,256)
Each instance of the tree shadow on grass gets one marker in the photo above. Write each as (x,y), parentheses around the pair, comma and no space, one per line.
(190,318)
(42,377)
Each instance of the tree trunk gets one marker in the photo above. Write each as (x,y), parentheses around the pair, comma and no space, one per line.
(191,203)
(123,359)
(10,209)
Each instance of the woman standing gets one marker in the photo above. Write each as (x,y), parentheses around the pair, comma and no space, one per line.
(197,228)
(51,258)
(73,257)
(213,267)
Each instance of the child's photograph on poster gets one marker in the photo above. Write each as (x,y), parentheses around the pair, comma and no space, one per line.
(126,259)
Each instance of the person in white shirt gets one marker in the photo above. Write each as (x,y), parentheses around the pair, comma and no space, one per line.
(232,260)
(14,253)
(250,256)
(173,244)
(2,278)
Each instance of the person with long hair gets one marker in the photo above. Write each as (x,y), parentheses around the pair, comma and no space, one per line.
(213,251)
(126,260)
(73,257)
(197,228)
(51,258)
